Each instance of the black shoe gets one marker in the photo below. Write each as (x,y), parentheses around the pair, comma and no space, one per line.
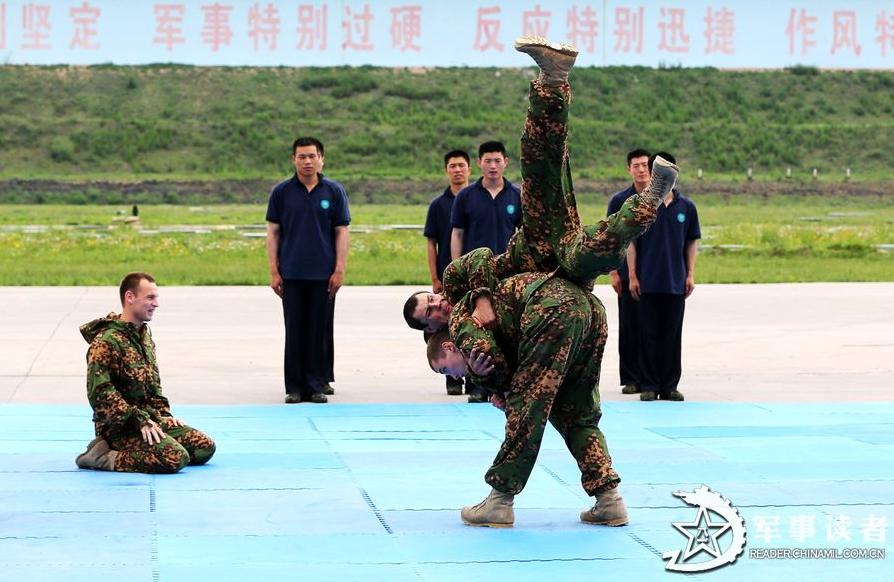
(477,396)
(674,395)
(454,387)
(328,389)
(630,389)
(293,398)
(318,398)
(647,396)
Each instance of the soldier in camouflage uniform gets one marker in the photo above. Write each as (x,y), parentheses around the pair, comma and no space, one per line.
(135,430)
(544,352)
(546,348)
(552,238)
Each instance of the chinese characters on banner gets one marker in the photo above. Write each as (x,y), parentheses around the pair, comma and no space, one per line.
(406,27)
(84,18)
(884,26)
(168,21)
(312,27)
(761,33)
(263,26)
(36,26)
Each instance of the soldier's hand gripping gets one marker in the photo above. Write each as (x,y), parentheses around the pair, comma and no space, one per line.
(152,433)
(480,364)
(483,315)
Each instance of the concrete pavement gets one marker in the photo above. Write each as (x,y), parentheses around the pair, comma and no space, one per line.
(223,345)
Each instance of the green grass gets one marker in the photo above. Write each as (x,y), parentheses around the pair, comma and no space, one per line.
(153,216)
(784,239)
(180,123)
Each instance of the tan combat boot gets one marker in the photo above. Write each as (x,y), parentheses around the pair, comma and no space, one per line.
(97,456)
(554,60)
(608,510)
(664,176)
(494,511)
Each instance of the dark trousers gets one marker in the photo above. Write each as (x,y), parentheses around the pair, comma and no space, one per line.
(330,342)
(660,340)
(628,335)
(306,309)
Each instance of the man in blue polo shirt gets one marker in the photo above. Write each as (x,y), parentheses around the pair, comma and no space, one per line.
(307,251)
(628,310)
(487,212)
(438,231)
(661,265)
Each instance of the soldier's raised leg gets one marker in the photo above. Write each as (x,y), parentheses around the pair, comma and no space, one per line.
(549,209)
(552,235)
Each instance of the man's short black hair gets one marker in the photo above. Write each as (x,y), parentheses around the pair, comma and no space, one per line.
(131,282)
(410,308)
(490,147)
(637,153)
(456,154)
(433,346)
(302,142)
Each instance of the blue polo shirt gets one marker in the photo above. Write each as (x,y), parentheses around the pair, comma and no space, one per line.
(614,204)
(307,222)
(661,250)
(437,226)
(487,221)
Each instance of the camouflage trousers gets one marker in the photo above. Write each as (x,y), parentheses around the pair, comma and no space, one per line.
(562,339)
(552,236)
(182,445)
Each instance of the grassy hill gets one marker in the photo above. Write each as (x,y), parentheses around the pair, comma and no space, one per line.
(393,125)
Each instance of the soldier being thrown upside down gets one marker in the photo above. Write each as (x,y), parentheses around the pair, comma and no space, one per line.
(524,323)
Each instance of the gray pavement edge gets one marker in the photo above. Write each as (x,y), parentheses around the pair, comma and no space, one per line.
(811,342)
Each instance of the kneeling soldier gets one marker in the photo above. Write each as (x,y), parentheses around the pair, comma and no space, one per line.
(135,431)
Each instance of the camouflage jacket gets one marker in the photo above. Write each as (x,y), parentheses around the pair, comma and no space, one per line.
(509,297)
(510,280)
(123,384)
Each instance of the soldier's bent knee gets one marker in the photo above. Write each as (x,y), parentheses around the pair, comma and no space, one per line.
(203,455)
(173,459)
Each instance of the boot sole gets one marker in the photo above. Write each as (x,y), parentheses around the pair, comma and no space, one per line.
(611,523)
(524,42)
(662,163)
(500,525)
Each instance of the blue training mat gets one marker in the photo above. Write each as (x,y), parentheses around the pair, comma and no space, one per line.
(373,492)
